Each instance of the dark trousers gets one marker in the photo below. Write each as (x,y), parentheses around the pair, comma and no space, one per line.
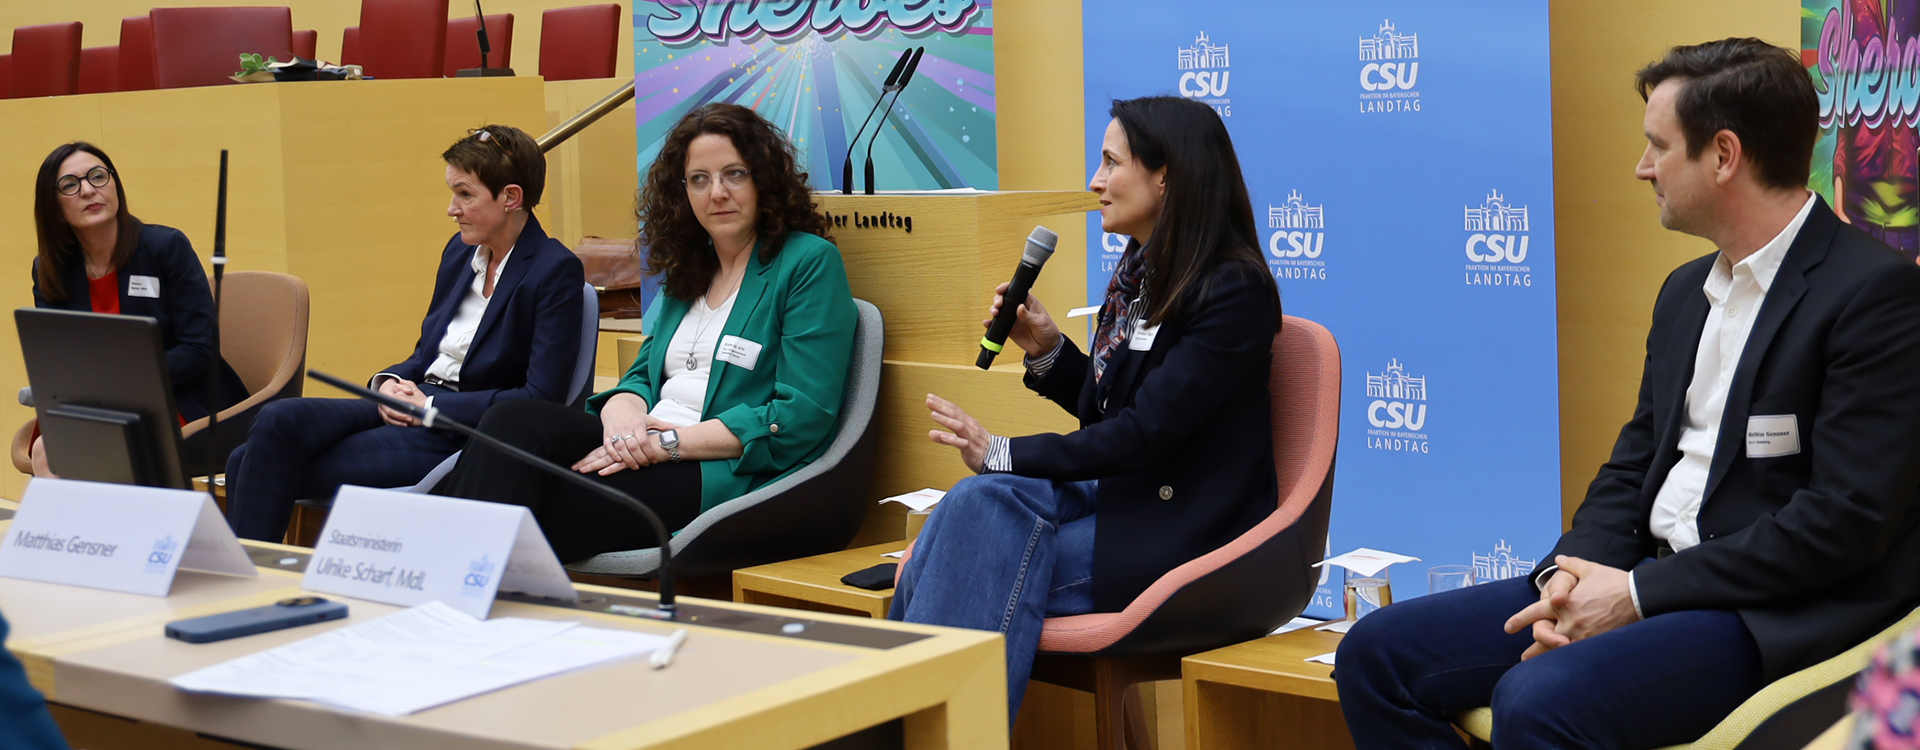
(308,447)
(578,522)
(1407,669)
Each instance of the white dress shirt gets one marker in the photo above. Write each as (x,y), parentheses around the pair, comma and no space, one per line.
(466,322)
(683,397)
(1734,295)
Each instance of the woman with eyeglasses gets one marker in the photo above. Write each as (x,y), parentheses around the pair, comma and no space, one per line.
(503,326)
(94,256)
(741,381)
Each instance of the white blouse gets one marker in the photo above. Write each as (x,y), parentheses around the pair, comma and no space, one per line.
(683,396)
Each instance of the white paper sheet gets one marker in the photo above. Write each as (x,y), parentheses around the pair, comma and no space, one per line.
(917,499)
(1326,658)
(1366,562)
(1295,624)
(896,554)
(416,659)
(1336,626)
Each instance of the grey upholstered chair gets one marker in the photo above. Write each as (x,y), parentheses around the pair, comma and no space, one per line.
(816,509)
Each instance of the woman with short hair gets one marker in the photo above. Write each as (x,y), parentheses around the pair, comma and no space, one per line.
(743,381)
(503,326)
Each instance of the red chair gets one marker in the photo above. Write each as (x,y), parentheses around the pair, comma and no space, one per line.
(6,76)
(136,54)
(350,46)
(99,70)
(305,43)
(463,44)
(202,46)
(46,60)
(403,38)
(579,42)
(1236,593)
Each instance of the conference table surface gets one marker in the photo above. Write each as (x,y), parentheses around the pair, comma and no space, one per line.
(736,683)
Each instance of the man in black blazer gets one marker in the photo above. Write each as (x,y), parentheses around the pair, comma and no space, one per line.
(1754,518)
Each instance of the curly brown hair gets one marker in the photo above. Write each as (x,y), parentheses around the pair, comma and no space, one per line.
(675,245)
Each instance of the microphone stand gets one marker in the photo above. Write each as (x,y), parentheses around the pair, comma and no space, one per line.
(213,364)
(485,47)
(431,418)
(846,166)
(905,79)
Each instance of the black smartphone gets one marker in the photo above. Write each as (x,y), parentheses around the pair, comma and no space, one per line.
(280,615)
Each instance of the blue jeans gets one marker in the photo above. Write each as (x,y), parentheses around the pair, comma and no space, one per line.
(1407,669)
(1003,553)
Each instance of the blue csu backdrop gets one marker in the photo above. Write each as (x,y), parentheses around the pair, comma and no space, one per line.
(1399,154)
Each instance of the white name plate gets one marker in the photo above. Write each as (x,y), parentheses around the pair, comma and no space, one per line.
(407,549)
(117,537)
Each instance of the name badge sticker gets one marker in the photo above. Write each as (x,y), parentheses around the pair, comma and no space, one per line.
(406,549)
(117,537)
(143,286)
(1773,435)
(1143,336)
(738,352)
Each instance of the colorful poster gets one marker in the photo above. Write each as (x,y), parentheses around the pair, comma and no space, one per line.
(815,68)
(1400,158)
(1864,56)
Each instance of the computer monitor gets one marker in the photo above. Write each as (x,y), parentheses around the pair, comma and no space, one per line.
(103,396)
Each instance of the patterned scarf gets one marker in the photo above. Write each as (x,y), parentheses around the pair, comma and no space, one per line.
(1114,320)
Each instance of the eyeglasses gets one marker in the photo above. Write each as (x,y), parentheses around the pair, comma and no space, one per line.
(98,177)
(484,135)
(734,178)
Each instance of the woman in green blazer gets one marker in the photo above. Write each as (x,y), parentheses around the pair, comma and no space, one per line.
(741,381)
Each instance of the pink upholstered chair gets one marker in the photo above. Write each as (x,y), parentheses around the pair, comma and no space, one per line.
(1233,594)
(99,70)
(46,60)
(350,46)
(136,54)
(402,38)
(306,43)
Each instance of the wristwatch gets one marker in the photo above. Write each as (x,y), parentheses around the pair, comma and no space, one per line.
(670,440)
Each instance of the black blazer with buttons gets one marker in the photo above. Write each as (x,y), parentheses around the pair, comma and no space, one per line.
(1182,446)
(1815,550)
(184,308)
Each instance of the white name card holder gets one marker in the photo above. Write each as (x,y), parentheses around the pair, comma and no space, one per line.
(117,537)
(407,549)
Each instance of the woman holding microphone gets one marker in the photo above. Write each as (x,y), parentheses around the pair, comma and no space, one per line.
(1174,457)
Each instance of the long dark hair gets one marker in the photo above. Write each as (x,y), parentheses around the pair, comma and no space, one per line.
(677,246)
(58,244)
(1207,218)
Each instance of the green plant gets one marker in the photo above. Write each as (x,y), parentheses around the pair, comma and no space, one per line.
(251,63)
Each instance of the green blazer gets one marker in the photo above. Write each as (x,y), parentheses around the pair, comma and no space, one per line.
(799,309)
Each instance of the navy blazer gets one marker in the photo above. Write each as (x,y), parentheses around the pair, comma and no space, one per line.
(529,339)
(1182,446)
(1818,549)
(184,308)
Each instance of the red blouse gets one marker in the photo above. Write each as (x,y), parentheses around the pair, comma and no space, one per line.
(104,292)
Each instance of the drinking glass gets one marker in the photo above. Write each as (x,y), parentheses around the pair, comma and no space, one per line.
(1364,595)
(1449,577)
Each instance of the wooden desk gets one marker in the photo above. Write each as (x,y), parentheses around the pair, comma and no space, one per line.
(1263,694)
(729,687)
(813,583)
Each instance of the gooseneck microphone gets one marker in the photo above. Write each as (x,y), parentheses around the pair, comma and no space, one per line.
(214,464)
(905,78)
(893,80)
(1039,249)
(431,418)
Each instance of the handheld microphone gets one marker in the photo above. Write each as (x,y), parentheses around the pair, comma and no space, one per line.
(1039,249)
(846,167)
(905,79)
(214,465)
(431,418)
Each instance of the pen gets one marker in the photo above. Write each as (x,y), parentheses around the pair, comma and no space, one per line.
(663,655)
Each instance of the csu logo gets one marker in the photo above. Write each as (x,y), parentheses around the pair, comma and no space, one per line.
(1391,71)
(1397,410)
(1497,244)
(479,573)
(1299,240)
(163,551)
(1204,75)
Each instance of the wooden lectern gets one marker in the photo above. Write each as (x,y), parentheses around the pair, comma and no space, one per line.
(930,262)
